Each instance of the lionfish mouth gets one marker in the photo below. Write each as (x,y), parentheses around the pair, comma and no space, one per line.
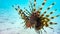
(34,18)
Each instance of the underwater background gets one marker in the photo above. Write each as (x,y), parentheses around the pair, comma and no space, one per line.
(11,22)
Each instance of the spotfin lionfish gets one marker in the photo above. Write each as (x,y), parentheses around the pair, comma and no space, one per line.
(34,18)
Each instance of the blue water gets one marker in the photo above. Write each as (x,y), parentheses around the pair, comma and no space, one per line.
(10,21)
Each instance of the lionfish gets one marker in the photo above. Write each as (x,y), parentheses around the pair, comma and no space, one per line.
(34,18)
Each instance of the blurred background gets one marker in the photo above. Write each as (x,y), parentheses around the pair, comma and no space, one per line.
(11,22)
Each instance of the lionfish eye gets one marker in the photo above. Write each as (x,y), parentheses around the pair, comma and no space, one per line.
(38,15)
(34,13)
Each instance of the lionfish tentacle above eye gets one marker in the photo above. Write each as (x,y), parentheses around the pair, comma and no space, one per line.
(31,6)
(51,13)
(42,6)
(27,12)
(20,12)
(51,23)
(34,6)
(48,9)
(54,16)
